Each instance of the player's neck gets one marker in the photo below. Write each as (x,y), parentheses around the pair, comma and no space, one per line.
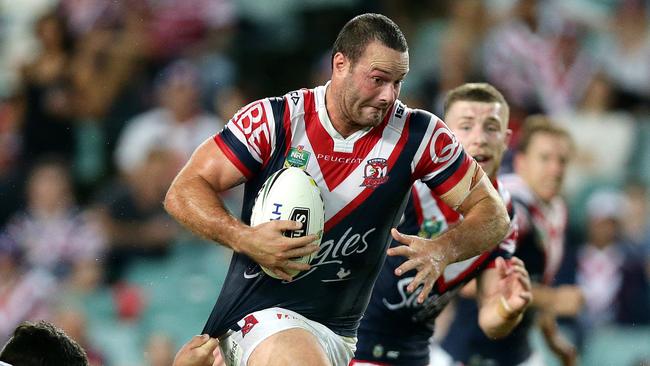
(343,125)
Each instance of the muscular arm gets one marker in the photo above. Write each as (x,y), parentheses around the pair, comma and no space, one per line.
(194,201)
(193,197)
(484,225)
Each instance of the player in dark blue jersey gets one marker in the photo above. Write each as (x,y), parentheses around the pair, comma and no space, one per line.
(540,162)
(365,149)
(395,330)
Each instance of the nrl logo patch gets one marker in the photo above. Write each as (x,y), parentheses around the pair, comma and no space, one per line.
(297,158)
(430,228)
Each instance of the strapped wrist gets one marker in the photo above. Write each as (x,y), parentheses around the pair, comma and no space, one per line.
(505,311)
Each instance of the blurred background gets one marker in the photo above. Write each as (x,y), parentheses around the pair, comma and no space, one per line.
(101,102)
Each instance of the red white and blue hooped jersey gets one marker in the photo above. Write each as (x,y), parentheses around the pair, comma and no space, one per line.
(364,180)
(395,330)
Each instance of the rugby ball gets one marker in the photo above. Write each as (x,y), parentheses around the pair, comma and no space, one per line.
(291,194)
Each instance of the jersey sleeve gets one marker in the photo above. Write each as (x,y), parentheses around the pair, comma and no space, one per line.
(248,139)
(441,163)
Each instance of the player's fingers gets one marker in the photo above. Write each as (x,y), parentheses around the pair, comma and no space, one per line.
(515,261)
(407,266)
(210,345)
(291,243)
(279,272)
(299,252)
(402,250)
(419,278)
(501,267)
(197,341)
(404,239)
(289,264)
(426,290)
(286,225)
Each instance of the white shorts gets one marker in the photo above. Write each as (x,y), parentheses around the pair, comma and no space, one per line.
(237,346)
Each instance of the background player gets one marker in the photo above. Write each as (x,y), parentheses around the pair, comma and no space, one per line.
(395,329)
(540,163)
(352,123)
(42,344)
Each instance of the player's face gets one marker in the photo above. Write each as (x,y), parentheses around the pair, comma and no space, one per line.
(482,129)
(372,84)
(543,165)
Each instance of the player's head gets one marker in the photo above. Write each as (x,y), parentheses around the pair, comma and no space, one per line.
(369,61)
(478,115)
(543,152)
(42,344)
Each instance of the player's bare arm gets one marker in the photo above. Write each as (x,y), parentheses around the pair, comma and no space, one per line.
(485,224)
(564,349)
(194,201)
(503,294)
(565,300)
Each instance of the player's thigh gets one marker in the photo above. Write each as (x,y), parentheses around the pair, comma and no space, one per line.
(295,346)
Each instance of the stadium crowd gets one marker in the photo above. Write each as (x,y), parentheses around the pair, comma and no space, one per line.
(102,102)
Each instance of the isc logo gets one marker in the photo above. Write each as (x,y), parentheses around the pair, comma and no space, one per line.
(300,214)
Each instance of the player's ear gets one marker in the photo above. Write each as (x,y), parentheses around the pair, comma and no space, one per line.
(340,63)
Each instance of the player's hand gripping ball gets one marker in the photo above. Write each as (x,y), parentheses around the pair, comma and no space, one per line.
(291,194)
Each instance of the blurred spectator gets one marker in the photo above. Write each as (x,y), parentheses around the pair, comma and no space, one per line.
(179,27)
(592,123)
(624,52)
(48,124)
(24,294)
(53,231)
(611,272)
(541,65)
(636,225)
(133,216)
(108,77)
(42,344)
(17,40)
(11,169)
(73,323)
(178,124)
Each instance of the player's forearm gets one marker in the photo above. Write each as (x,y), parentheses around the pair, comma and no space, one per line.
(193,203)
(543,296)
(482,228)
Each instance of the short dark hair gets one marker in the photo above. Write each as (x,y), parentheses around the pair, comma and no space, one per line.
(42,344)
(476,92)
(365,28)
(540,124)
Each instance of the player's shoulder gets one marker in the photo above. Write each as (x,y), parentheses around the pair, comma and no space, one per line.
(419,117)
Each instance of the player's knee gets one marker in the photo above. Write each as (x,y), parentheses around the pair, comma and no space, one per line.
(292,347)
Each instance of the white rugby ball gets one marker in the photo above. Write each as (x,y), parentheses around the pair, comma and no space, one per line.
(291,194)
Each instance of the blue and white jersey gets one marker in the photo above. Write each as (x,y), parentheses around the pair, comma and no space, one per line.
(395,330)
(364,180)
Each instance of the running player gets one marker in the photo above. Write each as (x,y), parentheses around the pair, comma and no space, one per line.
(365,150)
(395,330)
(540,162)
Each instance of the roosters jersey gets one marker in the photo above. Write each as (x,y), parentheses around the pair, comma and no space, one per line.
(395,329)
(364,180)
(540,246)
